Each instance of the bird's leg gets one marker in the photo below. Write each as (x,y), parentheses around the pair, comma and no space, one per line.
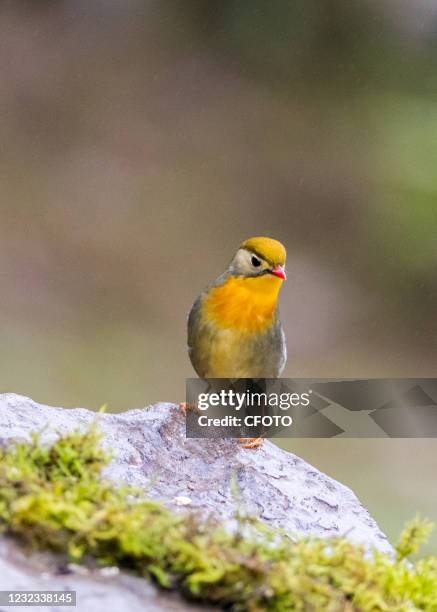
(250,442)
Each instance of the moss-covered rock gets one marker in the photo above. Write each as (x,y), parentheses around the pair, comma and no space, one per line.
(54,497)
(151,451)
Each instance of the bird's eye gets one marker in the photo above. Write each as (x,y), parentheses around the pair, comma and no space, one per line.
(256,262)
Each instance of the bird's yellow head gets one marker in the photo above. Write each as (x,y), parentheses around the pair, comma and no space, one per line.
(259,257)
(246,296)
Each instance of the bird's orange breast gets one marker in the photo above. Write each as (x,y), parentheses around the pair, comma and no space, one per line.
(244,304)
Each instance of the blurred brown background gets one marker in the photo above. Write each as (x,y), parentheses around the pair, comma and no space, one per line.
(142,141)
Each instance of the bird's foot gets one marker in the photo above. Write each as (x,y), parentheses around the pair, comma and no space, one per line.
(250,442)
(185,407)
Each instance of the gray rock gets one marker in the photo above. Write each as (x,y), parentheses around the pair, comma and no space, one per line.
(151,451)
(95,590)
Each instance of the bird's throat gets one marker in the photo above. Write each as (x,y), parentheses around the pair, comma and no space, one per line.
(244,304)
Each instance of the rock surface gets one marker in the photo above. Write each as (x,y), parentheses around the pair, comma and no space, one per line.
(96,591)
(151,451)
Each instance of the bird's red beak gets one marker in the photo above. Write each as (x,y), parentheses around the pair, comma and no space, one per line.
(279,272)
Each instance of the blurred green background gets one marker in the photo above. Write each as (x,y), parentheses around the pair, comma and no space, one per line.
(142,141)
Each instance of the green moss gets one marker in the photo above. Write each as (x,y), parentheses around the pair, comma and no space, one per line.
(55,498)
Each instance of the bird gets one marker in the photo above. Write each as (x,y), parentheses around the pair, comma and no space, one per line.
(234,328)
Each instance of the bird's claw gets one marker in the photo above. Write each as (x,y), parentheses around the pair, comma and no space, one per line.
(250,442)
(185,407)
